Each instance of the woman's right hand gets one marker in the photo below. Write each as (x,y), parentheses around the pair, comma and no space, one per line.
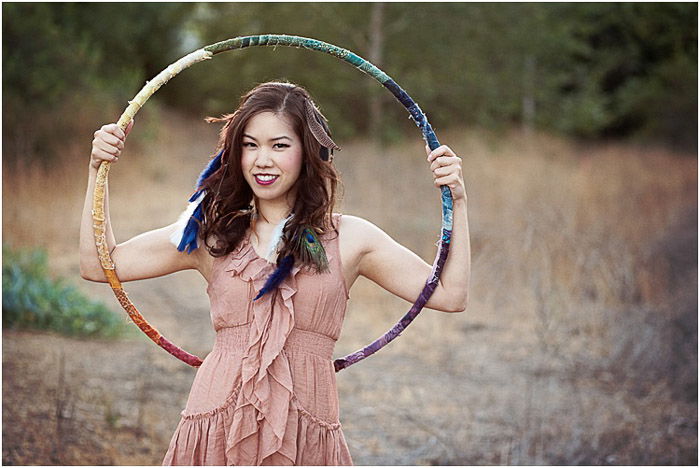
(108,144)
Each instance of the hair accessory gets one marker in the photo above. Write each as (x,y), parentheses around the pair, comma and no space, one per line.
(276,240)
(319,130)
(185,235)
(280,273)
(312,249)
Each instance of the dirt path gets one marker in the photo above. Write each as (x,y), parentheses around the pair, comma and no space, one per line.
(87,402)
(490,397)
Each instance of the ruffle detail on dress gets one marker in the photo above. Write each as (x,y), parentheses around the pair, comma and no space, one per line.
(321,444)
(230,401)
(264,425)
(200,437)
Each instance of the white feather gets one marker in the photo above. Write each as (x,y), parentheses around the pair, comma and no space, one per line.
(176,236)
(276,239)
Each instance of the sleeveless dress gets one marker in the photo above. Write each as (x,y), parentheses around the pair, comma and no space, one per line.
(266,394)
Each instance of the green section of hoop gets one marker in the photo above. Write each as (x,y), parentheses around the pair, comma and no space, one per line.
(272,40)
(269,40)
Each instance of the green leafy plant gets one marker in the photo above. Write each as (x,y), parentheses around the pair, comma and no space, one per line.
(32,299)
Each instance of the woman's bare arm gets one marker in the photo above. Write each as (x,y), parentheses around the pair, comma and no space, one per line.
(402,272)
(147,255)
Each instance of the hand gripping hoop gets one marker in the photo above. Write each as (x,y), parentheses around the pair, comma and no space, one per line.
(270,40)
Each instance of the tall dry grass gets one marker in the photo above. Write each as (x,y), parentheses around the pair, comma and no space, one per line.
(584,288)
(580,341)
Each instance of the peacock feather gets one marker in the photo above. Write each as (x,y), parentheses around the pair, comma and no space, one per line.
(311,249)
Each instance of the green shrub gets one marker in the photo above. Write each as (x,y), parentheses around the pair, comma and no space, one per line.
(32,299)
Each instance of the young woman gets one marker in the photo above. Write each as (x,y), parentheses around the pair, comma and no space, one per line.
(266,394)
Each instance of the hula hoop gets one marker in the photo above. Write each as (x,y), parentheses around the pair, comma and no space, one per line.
(270,40)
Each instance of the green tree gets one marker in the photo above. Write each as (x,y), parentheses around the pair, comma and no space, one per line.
(591,70)
(70,58)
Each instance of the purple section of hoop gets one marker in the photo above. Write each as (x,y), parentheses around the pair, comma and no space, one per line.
(179,353)
(396,330)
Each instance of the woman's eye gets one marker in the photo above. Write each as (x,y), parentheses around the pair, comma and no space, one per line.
(281,145)
(248,144)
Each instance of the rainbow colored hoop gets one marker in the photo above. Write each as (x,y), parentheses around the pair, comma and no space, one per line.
(270,40)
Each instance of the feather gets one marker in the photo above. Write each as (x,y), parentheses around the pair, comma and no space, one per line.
(211,168)
(276,239)
(283,268)
(317,129)
(311,249)
(186,228)
(187,225)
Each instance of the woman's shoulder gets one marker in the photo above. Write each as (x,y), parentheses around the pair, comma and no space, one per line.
(351,223)
(355,230)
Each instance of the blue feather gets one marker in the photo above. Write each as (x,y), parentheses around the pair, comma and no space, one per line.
(189,235)
(211,168)
(283,269)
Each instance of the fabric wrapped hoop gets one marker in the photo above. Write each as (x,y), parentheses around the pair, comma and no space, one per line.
(270,40)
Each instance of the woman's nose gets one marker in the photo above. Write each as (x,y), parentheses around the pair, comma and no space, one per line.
(264,159)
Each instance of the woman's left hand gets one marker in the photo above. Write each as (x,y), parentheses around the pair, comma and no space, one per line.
(447,170)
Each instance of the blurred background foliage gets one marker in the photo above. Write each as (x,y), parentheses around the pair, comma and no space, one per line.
(31,298)
(598,70)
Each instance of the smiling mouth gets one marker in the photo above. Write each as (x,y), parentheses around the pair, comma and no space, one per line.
(265,179)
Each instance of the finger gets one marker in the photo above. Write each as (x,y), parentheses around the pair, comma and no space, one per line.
(106,147)
(440,161)
(449,180)
(444,171)
(442,150)
(113,129)
(447,151)
(110,139)
(436,153)
(101,155)
(443,161)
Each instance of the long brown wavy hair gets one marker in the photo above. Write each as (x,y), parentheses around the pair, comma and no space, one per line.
(229,205)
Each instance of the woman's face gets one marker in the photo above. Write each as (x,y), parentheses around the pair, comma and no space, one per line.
(271,156)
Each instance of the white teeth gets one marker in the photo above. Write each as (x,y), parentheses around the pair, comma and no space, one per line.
(266,178)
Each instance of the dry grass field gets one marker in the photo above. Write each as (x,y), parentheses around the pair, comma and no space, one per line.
(579,345)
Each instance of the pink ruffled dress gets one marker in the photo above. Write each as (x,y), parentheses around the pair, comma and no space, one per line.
(266,394)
